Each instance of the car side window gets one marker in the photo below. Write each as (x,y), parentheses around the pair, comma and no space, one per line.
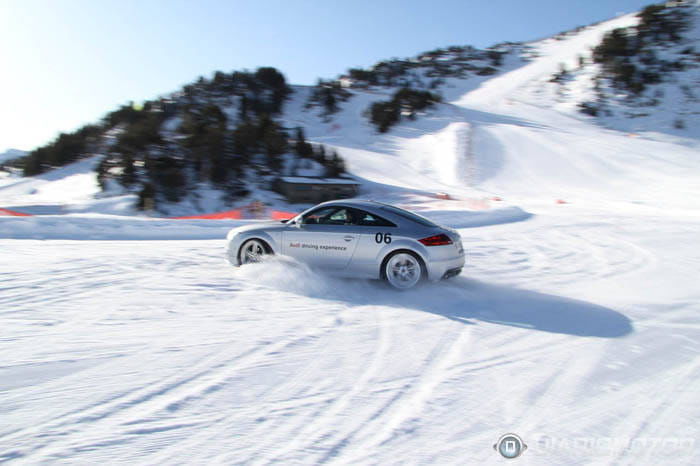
(339,217)
(328,216)
(317,216)
(367,219)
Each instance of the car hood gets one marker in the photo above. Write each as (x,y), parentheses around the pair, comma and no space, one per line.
(263,226)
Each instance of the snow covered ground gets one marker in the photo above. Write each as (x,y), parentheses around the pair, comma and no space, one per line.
(562,327)
(574,324)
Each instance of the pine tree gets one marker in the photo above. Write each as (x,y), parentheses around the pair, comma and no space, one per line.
(329,102)
(102,173)
(147,197)
(128,175)
(245,140)
(35,162)
(335,165)
(301,147)
(320,154)
(274,144)
(243,109)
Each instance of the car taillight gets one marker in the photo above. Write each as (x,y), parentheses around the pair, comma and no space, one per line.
(437,240)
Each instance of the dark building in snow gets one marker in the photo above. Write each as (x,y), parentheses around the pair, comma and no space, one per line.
(312,190)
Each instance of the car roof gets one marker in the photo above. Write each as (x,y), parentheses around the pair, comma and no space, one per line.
(355,203)
(373,207)
(358,203)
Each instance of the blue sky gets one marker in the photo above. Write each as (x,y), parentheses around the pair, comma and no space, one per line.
(65,63)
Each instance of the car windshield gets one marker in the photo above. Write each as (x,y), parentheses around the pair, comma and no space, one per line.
(409,215)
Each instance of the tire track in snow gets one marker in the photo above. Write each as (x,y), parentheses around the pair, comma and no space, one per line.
(560,254)
(317,430)
(103,417)
(561,390)
(386,422)
(61,287)
(105,407)
(661,408)
(585,419)
(267,406)
(511,350)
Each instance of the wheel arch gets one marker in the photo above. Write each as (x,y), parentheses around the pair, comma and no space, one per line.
(234,248)
(387,256)
(269,240)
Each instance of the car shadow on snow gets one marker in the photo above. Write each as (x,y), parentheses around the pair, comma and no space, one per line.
(467,301)
(460,299)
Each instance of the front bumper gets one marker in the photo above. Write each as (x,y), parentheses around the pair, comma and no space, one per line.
(232,246)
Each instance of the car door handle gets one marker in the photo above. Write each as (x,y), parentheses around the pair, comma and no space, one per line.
(348,238)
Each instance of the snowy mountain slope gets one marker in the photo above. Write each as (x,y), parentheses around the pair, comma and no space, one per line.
(425,152)
(69,189)
(11,154)
(576,327)
(501,135)
(668,69)
(455,147)
(546,55)
(544,152)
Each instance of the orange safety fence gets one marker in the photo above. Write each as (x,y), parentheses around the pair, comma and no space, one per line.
(12,213)
(238,214)
(227,215)
(281,215)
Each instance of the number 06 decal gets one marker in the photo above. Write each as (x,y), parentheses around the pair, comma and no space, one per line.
(383,238)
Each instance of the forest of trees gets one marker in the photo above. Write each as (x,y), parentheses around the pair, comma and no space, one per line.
(385,114)
(628,55)
(429,69)
(328,95)
(226,131)
(66,148)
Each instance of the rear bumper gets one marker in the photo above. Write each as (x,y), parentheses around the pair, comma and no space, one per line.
(452,273)
(446,268)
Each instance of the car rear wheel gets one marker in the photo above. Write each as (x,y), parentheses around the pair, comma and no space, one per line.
(252,251)
(403,270)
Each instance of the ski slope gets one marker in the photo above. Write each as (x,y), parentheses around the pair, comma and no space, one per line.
(574,323)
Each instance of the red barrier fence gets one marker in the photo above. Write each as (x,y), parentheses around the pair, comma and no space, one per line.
(12,213)
(281,215)
(228,215)
(237,214)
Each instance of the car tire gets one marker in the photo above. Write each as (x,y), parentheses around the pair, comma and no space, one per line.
(403,269)
(252,251)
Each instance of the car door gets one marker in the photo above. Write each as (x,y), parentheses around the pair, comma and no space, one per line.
(325,237)
(375,233)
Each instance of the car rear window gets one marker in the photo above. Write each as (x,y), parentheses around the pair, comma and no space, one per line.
(409,215)
(366,219)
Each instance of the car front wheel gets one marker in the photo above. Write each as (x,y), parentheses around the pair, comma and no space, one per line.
(252,251)
(403,270)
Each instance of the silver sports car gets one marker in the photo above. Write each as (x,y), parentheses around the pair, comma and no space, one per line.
(357,238)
